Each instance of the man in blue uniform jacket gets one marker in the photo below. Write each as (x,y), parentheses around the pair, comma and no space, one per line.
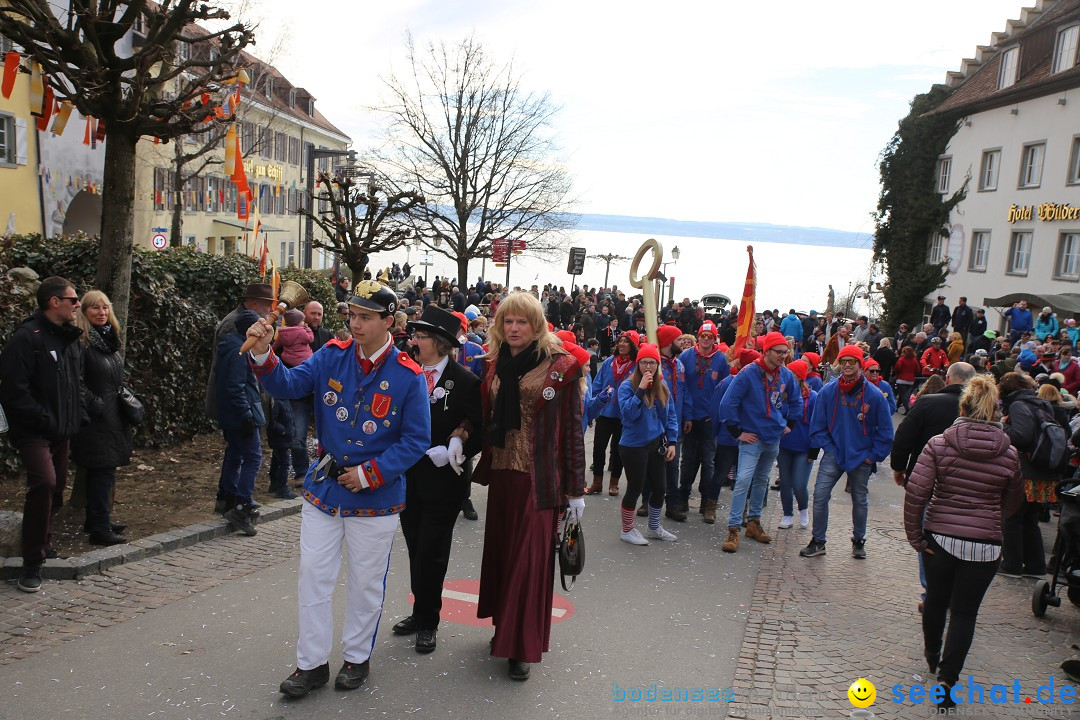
(373,423)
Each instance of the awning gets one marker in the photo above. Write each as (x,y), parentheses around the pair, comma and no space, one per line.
(1065,303)
(238,224)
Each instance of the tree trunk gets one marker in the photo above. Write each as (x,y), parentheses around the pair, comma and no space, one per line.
(117,223)
(176,227)
(463,273)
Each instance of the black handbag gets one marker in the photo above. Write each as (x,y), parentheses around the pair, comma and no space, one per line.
(571,551)
(131,407)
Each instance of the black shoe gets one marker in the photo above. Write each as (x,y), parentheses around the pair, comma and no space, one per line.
(223,505)
(814,549)
(468,510)
(301,682)
(115,527)
(643,511)
(519,670)
(932,662)
(51,554)
(282,491)
(106,537)
(408,626)
(351,675)
(242,518)
(858,549)
(675,514)
(425,641)
(947,703)
(30,579)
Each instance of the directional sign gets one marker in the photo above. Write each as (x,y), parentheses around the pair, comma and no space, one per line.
(576,264)
(460,597)
(160,241)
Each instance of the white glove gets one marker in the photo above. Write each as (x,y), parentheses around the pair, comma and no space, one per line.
(576,509)
(456,454)
(439,455)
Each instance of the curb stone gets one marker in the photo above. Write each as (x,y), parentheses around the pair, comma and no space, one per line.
(97,561)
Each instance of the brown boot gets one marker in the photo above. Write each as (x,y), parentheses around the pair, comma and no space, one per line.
(754,531)
(597,485)
(710,511)
(732,543)
(613,486)
(675,512)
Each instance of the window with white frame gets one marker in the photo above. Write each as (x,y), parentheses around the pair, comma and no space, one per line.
(6,45)
(1067,265)
(268,88)
(1031,165)
(944,169)
(980,251)
(1065,49)
(1074,163)
(988,172)
(1020,253)
(1009,64)
(938,243)
(8,150)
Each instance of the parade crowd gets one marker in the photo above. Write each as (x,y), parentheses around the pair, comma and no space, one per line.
(434,388)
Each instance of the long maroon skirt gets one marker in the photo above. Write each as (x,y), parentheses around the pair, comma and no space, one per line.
(517,576)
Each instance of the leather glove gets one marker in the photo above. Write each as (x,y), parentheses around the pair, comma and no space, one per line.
(439,455)
(456,454)
(576,509)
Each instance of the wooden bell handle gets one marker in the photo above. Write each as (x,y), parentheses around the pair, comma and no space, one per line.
(271,318)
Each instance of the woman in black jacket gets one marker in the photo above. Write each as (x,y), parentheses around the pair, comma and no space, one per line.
(105,443)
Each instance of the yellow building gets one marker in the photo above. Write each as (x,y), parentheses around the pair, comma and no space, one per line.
(278,126)
(20,207)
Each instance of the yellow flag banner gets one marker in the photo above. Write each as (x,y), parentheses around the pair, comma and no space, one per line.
(746,307)
(37,89)
(60,122)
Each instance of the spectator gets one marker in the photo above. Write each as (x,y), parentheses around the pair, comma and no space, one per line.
(1020,320)
(962,319)
(313,317)
(940,317)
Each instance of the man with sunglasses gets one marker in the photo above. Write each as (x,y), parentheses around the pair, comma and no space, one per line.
(853,425)
(705,367)
(41,391)
(758,408)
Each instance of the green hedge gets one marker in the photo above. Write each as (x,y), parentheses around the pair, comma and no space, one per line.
(177,298)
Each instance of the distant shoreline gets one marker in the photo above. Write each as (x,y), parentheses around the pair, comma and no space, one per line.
(750,232)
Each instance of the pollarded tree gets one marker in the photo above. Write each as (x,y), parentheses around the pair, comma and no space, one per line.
(360,215)
(166,87)
(480,148)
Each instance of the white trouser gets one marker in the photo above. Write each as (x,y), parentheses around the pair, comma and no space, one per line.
(368,540)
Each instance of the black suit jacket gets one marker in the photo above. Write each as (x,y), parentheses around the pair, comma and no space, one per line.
(460,405)
(931,416)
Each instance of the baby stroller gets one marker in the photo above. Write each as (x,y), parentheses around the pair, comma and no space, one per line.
(1066,558)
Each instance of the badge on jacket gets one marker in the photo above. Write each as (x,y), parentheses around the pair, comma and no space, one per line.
(380,405)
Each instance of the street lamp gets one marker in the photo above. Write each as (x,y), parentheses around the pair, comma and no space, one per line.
(670,286)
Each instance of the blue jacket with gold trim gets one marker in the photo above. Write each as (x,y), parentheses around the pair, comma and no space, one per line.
(379,422)
(470,355)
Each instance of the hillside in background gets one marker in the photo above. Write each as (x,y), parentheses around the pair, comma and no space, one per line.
(751,232)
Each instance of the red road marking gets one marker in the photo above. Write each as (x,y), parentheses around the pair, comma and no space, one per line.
(461,596)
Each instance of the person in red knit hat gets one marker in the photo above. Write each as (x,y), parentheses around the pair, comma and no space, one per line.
(604,408)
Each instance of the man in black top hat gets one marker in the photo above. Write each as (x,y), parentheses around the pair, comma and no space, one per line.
(258,297)
(435,486)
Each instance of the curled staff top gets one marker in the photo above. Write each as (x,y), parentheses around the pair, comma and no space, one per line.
(1065,303)
(640,281)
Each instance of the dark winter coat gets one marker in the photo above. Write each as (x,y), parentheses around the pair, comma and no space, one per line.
(106,441)
(40,381)
(970,478)
(239,405)
(1022,427)
(932,415)
(279,434)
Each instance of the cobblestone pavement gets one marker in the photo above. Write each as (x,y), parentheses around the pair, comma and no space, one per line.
(818,624)
(70,609)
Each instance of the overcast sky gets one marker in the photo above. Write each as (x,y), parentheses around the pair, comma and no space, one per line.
(729,111)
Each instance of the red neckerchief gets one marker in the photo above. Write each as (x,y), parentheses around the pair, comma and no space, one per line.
(669,363)
(621,367)
(848,387)
(805,402)
(701,369)
(770,380)
(375,364)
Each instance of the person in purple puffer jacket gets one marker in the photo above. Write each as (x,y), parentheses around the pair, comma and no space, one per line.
(966,481)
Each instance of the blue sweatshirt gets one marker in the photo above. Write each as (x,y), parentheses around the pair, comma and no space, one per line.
(606,404)
(675,377)
(886,390)
(837,429)
(814,381)
(723,437)
(1020,320)
(642,424)
(752,405)
(798,440)
(702,377)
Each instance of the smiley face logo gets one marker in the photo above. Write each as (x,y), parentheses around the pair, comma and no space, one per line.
(862,693)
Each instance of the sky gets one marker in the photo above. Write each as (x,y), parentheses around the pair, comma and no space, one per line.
(724,111)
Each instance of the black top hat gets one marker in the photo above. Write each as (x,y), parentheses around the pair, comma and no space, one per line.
(371,295)
(258,291)
(438,321)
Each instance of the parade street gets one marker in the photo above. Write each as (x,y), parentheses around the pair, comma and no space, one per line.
(209,631)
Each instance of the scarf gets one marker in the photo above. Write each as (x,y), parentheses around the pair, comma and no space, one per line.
(702,368)
(848,386)
(770,381)
(103,338)
(510,368)
(620,367)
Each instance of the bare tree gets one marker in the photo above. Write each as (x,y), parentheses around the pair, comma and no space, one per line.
(160,89)
(360,218)
(480,148)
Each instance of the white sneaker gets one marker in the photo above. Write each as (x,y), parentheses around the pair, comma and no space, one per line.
(633,537)
(804,519)
(786,522)
(660,534)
